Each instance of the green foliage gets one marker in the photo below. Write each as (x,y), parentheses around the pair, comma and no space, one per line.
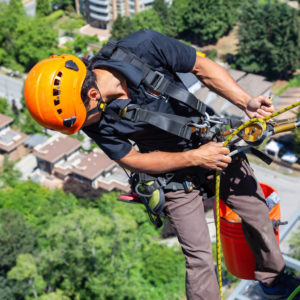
(8,175)
(270,47)
(43,8)
(28,125)
(24,41)
(63,4)
(4,107)
(121,27)
(106,252)
(147,19)
(205,20)
(35,40)
(15,238)
(79,45)
(37,204)
(294,244)
(55,15)
(294,82)
(26,270)
(70,25)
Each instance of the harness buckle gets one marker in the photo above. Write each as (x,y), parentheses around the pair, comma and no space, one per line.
(136,114)
(154,80)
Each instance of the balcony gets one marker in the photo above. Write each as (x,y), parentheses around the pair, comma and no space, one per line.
(99,9)
(100,2)
(99,17)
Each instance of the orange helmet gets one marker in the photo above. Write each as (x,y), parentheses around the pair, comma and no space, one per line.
(53,93)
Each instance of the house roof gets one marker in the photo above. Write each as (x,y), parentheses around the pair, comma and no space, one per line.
(254,85)
(5,120)
(35,139)
(56,147)
(93,164)
(11,139)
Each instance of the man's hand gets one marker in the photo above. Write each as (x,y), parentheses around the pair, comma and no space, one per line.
(259,107)
(211,156)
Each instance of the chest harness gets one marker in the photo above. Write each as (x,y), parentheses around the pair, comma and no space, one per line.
(150,188)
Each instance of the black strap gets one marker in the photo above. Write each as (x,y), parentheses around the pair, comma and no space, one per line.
(176,125)
(152,79)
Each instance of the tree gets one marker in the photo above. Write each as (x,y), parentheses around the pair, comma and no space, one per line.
(147,19)
(8,175)
(34,40)
(205,21)
(16,237)
(163,11)
(10,16)
(43,8)
(121,27)
(268,48)
(26,270)
(38,204)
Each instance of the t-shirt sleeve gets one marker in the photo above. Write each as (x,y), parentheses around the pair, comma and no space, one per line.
(114,147)
(161,50)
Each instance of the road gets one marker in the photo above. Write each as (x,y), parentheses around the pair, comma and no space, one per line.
(288,188)
(11,88)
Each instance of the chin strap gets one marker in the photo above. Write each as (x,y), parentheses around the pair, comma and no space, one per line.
(101,105)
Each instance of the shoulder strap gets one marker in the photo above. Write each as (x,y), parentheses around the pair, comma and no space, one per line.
(176,125)
(153,79)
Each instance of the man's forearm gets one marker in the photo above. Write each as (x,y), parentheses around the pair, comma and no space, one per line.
(211,156)
(220,81)
(156,162)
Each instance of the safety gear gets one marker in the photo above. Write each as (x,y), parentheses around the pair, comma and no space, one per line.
(53,93)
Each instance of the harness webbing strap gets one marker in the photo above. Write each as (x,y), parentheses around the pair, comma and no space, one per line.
(173,124)
(151,78)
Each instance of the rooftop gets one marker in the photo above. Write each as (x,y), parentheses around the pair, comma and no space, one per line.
(35,139)
(56,148)
(93,164)
(10,139)
(5,120)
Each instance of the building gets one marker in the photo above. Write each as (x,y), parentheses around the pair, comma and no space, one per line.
(11,141)
(60,156)
(58,148)
(102,13)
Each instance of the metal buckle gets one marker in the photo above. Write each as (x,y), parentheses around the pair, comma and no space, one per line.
(157,80)
(136,114)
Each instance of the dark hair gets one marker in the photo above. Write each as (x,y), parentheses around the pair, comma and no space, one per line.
(89,82)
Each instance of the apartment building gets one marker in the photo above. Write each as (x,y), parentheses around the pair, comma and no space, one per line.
(102,13)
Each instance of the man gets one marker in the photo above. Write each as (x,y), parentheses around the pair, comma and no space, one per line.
(64,95)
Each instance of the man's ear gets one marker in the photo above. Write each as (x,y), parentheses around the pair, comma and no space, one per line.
(93,94)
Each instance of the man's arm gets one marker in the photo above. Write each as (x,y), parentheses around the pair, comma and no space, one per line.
(220,81)
(211,156)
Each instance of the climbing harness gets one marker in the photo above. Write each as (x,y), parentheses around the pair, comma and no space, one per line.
(253,131)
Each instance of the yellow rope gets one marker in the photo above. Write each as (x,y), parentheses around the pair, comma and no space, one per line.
(218,179)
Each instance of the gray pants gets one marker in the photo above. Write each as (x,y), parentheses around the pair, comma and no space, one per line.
(240,191)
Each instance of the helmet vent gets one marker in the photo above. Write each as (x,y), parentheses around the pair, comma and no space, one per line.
(56,102)
(70,64)
(59,74)
(56,92)
(59,111)
(57,82)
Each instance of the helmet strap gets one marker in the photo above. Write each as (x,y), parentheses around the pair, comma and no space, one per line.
(101,105)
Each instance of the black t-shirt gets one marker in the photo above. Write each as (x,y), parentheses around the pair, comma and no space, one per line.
(167,56)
